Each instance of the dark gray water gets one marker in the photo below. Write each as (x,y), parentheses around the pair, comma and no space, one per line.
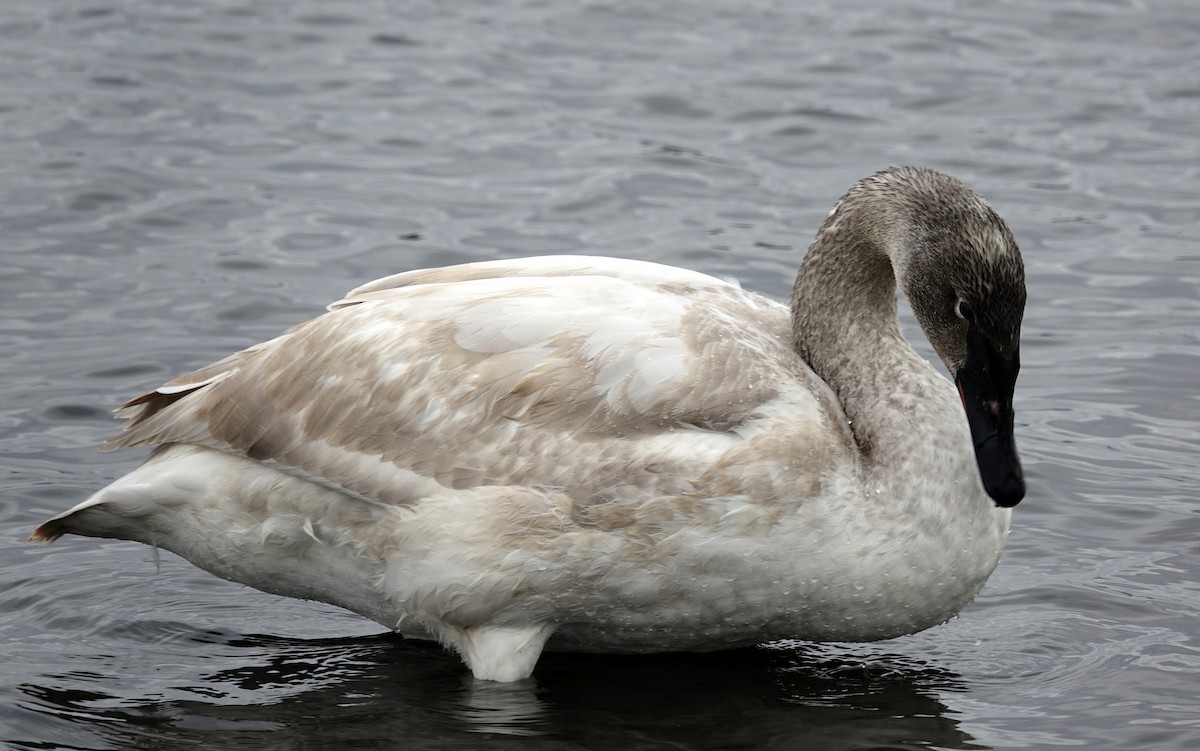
(179,180)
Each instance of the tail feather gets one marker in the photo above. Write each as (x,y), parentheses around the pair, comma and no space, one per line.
(49,531)
(113,512)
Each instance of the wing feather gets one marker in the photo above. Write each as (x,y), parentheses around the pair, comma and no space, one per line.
(566,377)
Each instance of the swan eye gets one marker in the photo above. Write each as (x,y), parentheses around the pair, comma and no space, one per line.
(963,308)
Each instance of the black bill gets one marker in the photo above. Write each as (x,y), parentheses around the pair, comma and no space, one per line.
(986,384)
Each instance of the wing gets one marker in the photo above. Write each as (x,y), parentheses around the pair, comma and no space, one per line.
(545,267)
(602,379)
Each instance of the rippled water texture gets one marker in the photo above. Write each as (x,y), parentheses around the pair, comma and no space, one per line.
(179,180)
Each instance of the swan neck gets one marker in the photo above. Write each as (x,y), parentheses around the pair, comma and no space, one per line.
(846,324)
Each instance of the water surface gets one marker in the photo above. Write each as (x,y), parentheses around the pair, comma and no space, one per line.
(180,180)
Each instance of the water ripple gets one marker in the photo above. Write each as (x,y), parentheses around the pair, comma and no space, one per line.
(181,180)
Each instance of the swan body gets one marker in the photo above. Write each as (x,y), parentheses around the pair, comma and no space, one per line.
(612,455)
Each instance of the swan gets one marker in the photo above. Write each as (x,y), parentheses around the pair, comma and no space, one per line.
(607,455)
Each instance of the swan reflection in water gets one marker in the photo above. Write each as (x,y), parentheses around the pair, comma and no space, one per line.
(372,690)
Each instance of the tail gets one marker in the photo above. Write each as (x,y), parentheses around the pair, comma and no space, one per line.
(50,530)
(114,512)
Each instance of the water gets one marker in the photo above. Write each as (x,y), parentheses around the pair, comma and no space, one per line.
(179,180)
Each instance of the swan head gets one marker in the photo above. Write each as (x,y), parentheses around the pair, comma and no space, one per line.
(962,273)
